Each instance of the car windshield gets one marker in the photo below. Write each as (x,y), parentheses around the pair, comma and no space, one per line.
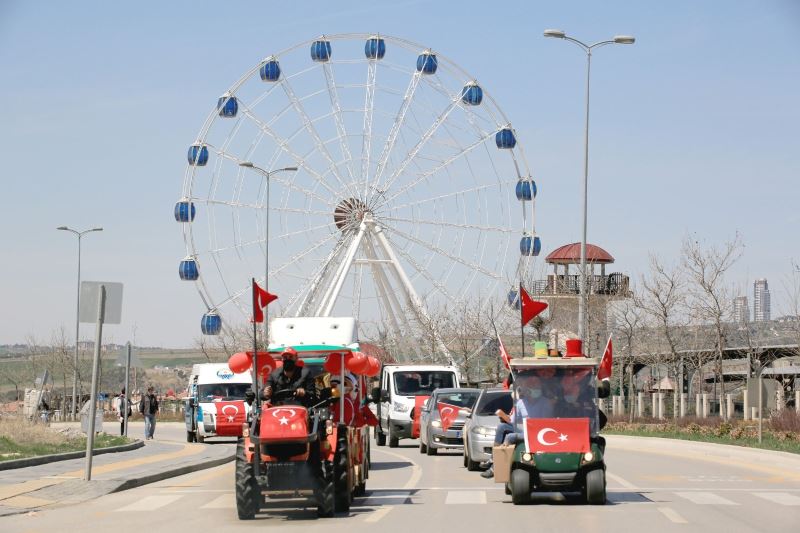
(551,392)
(491,402)
(222,391)
(464,399)
(423,382)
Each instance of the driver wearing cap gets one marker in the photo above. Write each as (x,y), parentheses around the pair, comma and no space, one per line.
(291,377)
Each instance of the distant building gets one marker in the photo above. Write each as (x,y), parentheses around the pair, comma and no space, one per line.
(761,307)
(741,311)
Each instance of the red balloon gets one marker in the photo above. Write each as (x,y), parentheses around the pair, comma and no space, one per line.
(357,362)
(373,366)
(240,362)
(333,363)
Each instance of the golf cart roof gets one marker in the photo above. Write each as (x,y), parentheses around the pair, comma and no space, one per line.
(554,362)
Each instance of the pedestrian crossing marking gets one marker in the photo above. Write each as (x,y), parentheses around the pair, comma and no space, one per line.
(705,498)
(151,503)
(783,498)
(223,501)
(465,497)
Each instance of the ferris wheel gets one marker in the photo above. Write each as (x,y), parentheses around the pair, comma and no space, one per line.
(370,176)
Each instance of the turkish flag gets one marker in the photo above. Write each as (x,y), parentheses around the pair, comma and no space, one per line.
(529,308)
(448,413)
(230,417)
(418,402)
(557,435)
(283,423)
(261,299)
(604,372)
(503,353)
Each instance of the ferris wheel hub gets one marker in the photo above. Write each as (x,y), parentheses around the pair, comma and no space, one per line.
(349,213)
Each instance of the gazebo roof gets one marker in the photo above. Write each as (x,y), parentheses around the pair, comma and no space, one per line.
(570,254)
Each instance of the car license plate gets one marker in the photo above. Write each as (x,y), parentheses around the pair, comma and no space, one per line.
(458,434)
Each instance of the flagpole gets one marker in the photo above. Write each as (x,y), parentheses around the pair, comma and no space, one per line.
(522,325)
(256,402)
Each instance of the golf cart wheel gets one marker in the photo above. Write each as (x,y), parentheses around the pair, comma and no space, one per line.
(596,487)
(380,437)
(248,493)
(326,504)
(507,487)
(422,447)
(341,465)
(520,486)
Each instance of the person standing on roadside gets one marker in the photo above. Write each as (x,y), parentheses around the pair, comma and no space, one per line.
(122,404)
(148,406)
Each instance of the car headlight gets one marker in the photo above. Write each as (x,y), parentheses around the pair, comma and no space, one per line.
(483,430)
(400,407)
(436,423)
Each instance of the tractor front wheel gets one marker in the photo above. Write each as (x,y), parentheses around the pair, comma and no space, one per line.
(248,493)
(341,467)
(324,494)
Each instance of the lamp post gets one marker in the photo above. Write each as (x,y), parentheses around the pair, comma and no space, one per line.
(266,174)
(618,39)
(77,318)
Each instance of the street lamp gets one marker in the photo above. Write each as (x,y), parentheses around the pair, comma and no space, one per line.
(80,234)
(617,39)
(266,174)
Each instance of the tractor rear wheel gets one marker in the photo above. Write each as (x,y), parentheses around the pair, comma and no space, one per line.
(595,491)
(248,493)
(520,486)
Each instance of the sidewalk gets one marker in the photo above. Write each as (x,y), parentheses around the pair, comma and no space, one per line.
(61,483)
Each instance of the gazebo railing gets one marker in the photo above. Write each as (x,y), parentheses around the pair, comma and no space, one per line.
(615,284)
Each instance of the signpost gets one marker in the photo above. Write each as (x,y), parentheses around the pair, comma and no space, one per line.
(106,299)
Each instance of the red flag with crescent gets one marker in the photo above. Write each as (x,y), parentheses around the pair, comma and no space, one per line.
(230,417)
(557,435)
(448,413)
(261,299)
(606,363)
(529,308)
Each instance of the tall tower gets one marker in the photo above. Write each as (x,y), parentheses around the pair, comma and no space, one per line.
(741,311)
(761,307)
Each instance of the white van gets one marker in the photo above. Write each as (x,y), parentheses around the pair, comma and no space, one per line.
(403,388)
(215,405)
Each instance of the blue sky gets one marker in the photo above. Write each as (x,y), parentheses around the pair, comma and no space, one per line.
(694,129)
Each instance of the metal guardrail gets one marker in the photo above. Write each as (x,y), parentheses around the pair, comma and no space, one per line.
(613,285)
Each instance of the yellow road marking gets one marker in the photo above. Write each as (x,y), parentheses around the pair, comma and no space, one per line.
(188,449)
(26,502)
(196,480)
(9,491)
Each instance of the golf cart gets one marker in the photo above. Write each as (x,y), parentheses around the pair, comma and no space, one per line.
(557,447)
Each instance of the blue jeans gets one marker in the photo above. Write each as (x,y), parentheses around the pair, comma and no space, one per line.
(503,429)
(149,426)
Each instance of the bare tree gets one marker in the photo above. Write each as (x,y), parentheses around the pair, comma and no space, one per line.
(627,325)
(663,299)
(468,331)
(711,296)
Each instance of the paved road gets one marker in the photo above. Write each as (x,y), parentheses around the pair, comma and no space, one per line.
(654,485)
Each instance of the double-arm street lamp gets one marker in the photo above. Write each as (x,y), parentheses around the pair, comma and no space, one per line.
(80,234)
(618,39)
(266,174)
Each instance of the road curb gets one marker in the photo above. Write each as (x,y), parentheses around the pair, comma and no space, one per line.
(132,483)
(52,458)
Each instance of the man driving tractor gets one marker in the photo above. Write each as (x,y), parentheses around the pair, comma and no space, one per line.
(291,377)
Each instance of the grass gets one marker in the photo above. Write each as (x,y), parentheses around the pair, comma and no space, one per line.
(778,434)
(20,439)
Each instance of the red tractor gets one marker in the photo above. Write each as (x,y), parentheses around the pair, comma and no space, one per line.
(312,451)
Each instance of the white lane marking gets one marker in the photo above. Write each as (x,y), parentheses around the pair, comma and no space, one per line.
(416,474)
(377,515)
(783,498)
(151,503)
(223,501)
(384,501)
(465,497)
(672,514)
(620,481)
(705,498)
